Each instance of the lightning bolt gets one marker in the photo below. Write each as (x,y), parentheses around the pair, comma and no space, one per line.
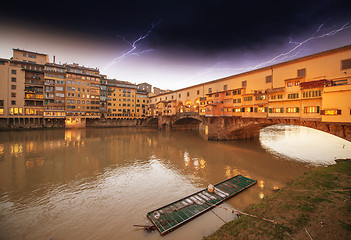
(293,52)
(300,44)
(133,46)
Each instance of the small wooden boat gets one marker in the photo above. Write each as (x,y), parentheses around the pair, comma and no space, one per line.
(173,215)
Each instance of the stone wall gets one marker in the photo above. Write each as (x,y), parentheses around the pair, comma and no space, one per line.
(115,122)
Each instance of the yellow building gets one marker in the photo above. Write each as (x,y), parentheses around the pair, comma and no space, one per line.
(82,95)
(121,98)
(54,93)
(141,104)
(314,87)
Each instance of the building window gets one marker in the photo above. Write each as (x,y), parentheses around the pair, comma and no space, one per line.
(311,109)
(260,97)
(13,79)
(13,87)
(247,99)
(276,110)
(293,95)
(198,92)
(301,72)
(269,79)
(339,82)
(187,94)
(13,94)
(346,64)
(225,87)
(331,112)
(244,83)
(13,102)
(180,95)
(13,71)
(210,90)
(292,109)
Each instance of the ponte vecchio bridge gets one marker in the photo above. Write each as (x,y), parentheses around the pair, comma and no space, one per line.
(313,91)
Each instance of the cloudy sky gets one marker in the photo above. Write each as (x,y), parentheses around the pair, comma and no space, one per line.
(174,44)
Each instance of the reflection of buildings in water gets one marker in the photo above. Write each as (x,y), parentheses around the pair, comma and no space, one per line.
(29,146)
(149,141)
(199,164)
(2,150)
(186,159)
(75,138)
(229,172)
(261,195)
(34,162)
(16,149)
(261,184)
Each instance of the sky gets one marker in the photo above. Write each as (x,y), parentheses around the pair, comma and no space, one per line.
(174,44)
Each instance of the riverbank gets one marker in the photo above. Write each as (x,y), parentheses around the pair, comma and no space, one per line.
(316,205)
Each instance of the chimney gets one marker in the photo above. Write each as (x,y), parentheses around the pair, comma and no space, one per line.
(54,59)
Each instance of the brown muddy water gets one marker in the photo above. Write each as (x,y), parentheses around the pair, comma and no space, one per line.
(97,183)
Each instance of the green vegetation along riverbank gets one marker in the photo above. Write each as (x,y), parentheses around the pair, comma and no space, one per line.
(316,205)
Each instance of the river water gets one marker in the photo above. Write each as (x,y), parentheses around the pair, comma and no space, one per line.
(97,183)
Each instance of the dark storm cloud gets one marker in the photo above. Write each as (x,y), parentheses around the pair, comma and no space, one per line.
(207,26)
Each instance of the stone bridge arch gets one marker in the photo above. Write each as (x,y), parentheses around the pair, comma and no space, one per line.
(228,128)
(151,122)
(186,121)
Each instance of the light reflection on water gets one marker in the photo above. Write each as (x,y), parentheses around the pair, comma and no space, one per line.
(97,183)
(305,144)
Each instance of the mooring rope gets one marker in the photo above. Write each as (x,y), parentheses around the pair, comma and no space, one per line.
(243,213)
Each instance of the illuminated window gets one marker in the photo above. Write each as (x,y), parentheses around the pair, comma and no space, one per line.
(292,110)
(1,111)
(260,97)
(289,84)
(311,109)
(261,109)
(331,112)
(276,110)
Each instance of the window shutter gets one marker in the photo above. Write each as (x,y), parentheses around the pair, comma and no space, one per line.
(281,110)
(266,109)
(317,109)
(255,110)
(270,110)
(297,109)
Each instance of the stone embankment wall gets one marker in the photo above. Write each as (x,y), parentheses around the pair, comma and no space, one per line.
(30,123)
(115,122)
